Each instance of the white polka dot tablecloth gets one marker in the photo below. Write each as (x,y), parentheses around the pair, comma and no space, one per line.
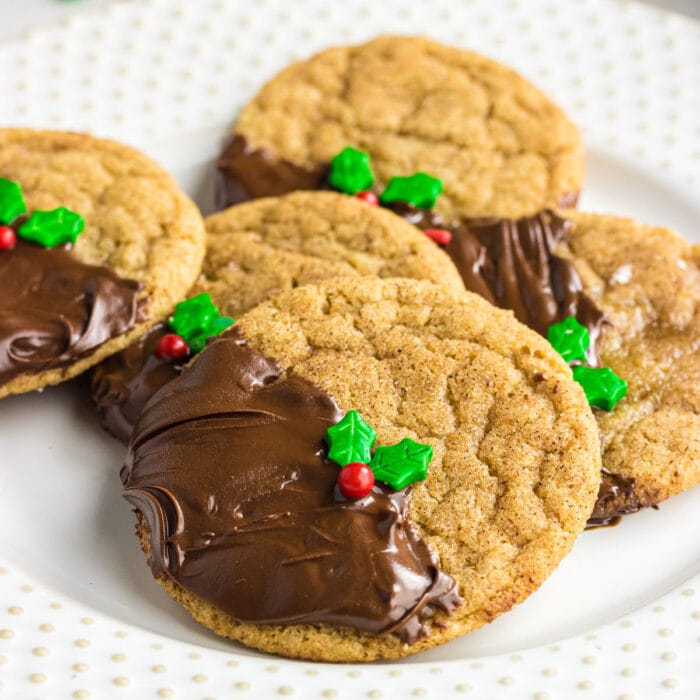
(80,616)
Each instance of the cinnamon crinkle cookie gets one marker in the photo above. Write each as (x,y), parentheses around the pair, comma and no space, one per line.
(362,469)
(96,242)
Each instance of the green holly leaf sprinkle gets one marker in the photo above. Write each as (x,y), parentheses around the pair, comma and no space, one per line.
(570,339)
(52,228)
(193,316)
(12,202)
(351,171)
(402,464)
(350,440)
(218,325)
(420,190)
(603,388)
(198,319)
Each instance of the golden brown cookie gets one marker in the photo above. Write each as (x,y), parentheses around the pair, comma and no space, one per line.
(264,247)
(140,251)
(646,280)
(500,146)
(259,249)
(512,480)
(636,289)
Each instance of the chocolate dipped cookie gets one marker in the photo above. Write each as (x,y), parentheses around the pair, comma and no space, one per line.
(362,469)
(633,291)
(96,242)
(499,145)
(257,250)
(646,281)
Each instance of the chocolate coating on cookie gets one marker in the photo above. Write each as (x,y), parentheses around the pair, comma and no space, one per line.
(55,309)
(227,467)
(122,385)
(138,225)
(246,173)
(616,498)
(512,264)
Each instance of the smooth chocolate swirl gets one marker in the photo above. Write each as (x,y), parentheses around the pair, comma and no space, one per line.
(55,309)
(512,264)
(227,466)
(123,384)
(616,497)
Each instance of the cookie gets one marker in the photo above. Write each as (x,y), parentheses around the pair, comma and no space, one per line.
(264,247)
(636,288)
(240,517)
(102,242)
(498,144)
(646,281)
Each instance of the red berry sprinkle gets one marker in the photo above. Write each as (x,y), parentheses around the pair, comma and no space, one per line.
(8,238)
(440,235)
(355,480)
(172,347)
(368,196)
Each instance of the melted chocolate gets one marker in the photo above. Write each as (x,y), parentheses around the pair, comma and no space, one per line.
(227,465)
(246,173)
(616,497)
(512,264)
(122,385)
(55,309)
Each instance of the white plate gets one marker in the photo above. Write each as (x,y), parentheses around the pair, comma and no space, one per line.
(79,613)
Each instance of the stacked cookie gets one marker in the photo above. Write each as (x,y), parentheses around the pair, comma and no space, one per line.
(365,402)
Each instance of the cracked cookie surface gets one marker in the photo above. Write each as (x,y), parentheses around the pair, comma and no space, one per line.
(137,222)
(499,145)
(646,280)
(516,455)
(261,248)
